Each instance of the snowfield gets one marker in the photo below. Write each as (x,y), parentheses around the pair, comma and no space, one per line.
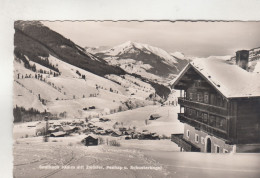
(70,93)
(23,97)
(166,125)
(67,157)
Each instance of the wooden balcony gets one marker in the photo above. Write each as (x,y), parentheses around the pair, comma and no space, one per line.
(203,106)
(198,125)
(181,142)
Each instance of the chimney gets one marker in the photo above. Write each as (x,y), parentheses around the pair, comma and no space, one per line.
(242,59)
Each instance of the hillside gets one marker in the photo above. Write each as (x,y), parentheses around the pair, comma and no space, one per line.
(54,75)
(145,60)
(36,40)
(75,89)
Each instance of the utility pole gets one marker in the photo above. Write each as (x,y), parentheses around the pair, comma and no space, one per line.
(46,129)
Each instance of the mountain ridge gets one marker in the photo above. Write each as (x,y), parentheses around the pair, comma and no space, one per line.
(45,41)
(151,61)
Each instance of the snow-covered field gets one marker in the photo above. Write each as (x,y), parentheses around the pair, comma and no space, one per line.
(67,157)
(167,124)
(32,154)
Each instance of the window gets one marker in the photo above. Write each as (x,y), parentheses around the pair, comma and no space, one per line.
(202,140)
(216,149)
(190,112)
(212,121)
(199,97)
(188,133)
(187,111)
(198,83)
(193,112)
(205,118)
(199,116)
(190,96)
(221,123)
(196,138)
(220,101)
(206,98)
(212,99)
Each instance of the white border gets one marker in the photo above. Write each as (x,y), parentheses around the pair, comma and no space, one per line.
(96,10)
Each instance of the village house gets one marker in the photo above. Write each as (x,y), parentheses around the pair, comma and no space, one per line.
(116,134)
(67,129)
(90,141)
(219,106)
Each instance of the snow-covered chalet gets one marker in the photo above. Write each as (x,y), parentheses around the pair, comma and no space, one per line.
(219,106)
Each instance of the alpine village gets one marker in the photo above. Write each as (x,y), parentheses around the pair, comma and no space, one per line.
(131,110)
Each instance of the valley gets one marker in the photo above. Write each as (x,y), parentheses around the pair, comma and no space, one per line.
(105,110)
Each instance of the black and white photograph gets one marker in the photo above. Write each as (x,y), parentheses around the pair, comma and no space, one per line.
(136,99)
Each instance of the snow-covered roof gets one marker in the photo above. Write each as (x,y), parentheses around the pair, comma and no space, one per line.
(229,79)
(156,115)
(56,134)
(66,128)
(91,136)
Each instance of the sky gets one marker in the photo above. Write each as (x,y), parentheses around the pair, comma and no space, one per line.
(200,39)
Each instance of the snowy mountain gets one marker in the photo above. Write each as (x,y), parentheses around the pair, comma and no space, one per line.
(145,60)
(54,75)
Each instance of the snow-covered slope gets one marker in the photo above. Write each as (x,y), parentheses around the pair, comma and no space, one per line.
(178,55)
(70,92)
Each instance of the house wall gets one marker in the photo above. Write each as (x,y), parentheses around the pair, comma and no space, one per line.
(202,144)
(248,121)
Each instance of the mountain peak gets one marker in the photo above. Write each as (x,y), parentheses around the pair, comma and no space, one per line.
(128,43)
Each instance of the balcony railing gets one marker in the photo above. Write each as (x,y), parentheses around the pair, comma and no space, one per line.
(203,106)
(198,125)
(181,142)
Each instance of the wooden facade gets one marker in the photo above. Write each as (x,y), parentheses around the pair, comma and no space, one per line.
(90,141)
(233,120)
